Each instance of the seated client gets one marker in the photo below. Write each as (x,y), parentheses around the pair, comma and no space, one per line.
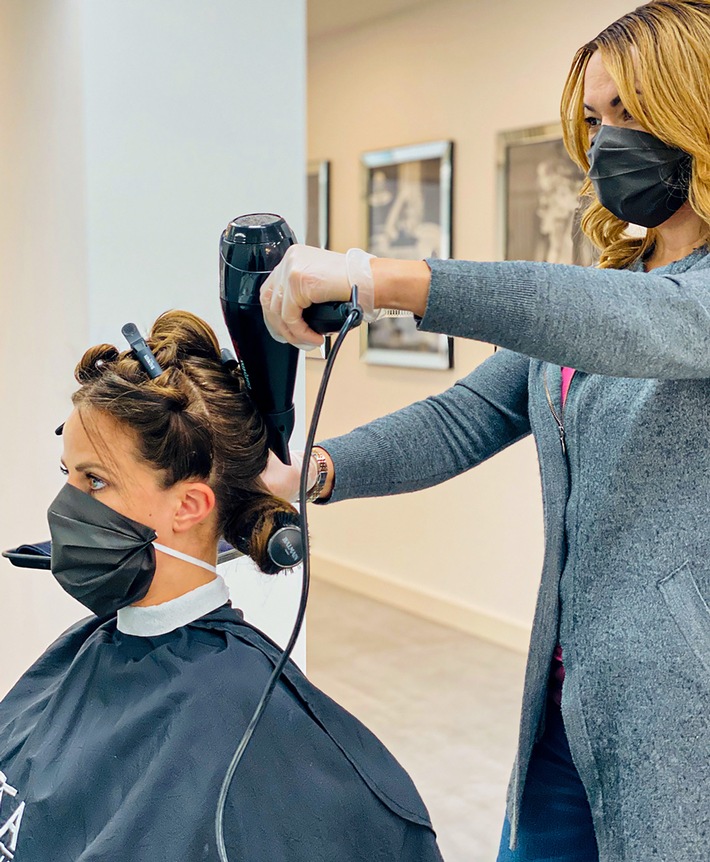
(115,743)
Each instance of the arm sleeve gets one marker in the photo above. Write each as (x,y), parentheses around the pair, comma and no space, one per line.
(612,322)
(438,438)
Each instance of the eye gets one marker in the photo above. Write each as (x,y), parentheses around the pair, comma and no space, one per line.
(63,470)
(95,484)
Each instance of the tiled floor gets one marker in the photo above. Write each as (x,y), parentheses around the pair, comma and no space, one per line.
(445,703)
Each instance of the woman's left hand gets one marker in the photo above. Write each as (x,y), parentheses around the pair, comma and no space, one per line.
(283,480)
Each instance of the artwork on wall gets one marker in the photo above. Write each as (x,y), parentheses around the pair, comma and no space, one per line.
(318,204)
(408,215)
(540,206)
(318,224)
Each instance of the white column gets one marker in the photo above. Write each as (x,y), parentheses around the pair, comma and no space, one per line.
(131,133)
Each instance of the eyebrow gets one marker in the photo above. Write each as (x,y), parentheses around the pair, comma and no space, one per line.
(613,104)
(87,465)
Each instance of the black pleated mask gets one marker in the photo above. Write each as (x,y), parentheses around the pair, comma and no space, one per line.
(100,557)
(636,176)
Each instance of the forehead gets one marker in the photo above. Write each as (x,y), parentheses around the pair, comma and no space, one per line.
(96,435)
(600,89)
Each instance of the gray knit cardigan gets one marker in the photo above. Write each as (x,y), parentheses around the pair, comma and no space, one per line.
(625,584)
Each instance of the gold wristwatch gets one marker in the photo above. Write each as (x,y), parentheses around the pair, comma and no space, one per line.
(321,476)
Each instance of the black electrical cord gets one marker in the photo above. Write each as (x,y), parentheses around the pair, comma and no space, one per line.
(351,321)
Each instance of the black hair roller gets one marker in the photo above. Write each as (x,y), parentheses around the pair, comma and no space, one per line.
(284,547)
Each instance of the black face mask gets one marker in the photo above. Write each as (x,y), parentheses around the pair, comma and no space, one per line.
(101,558)
(637,177)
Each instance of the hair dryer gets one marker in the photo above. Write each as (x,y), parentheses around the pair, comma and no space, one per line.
(250,248)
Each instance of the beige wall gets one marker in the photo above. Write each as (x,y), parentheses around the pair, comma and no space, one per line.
(115,182)
(43,299)
(469,552)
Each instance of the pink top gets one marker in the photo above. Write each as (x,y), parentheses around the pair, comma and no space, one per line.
(567,375)
(557,669)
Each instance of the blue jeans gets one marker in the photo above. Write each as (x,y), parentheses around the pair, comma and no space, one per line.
(555,818)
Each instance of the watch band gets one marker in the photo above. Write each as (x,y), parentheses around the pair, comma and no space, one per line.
(321,476)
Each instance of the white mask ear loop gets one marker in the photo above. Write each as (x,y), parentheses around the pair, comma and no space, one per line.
(171,552)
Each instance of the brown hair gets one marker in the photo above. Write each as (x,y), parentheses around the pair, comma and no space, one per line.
(194,421)
(662,49)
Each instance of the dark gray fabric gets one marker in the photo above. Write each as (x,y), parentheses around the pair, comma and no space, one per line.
(115,748)
(626,577)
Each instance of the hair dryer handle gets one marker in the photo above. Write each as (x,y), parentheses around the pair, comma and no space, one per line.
(326,317)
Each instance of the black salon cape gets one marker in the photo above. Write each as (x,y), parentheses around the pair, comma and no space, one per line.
(118,746)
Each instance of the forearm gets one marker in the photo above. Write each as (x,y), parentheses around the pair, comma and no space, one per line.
(435,439)
(617,323)
(402,285)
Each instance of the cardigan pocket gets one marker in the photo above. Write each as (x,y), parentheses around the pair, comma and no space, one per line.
(690,611)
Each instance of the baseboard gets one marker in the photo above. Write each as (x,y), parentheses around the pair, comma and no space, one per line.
(423,603)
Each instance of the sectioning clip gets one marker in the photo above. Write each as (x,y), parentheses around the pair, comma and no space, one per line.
(229,360)
(143,353)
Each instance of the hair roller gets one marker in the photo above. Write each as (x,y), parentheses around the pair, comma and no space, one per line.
(94,362)
(267,530)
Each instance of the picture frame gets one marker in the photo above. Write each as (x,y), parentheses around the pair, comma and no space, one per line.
(408,214)
(318,223)
(318,203)
(539,204)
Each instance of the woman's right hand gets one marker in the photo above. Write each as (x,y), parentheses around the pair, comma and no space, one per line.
(307,276)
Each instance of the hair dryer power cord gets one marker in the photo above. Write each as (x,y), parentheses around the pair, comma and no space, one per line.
(352,320)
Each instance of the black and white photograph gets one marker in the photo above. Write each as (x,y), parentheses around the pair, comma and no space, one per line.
(540,205)
(318,223)
(407,193)
(318,204)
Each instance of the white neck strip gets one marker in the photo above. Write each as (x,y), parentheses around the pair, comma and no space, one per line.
(171,552)
(160,619)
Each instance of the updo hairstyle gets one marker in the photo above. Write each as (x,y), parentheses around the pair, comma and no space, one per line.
(194,421)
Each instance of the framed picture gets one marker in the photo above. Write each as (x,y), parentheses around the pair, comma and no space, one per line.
(408,215)
(318,204)
(318,223)
(540,207)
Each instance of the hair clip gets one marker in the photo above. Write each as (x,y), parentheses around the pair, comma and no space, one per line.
(228,359)
(143,353)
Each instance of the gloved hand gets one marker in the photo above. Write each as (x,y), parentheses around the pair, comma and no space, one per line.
(284,481)
(308,275)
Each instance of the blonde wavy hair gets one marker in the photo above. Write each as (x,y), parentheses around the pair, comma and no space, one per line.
(661,49)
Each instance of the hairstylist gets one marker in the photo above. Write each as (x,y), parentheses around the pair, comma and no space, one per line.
(609,369)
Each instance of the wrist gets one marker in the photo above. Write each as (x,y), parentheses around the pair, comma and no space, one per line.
(324,471)
(402,285)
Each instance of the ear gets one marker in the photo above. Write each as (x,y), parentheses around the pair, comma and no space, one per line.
(195,503)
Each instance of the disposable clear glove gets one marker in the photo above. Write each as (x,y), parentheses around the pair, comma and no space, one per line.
(284,481)
(306,276)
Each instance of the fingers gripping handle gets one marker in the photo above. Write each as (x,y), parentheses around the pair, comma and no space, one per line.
(327,317)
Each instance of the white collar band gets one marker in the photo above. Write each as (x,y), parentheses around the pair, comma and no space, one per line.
(157,620)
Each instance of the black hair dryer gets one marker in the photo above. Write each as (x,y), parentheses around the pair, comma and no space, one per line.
(250,248)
